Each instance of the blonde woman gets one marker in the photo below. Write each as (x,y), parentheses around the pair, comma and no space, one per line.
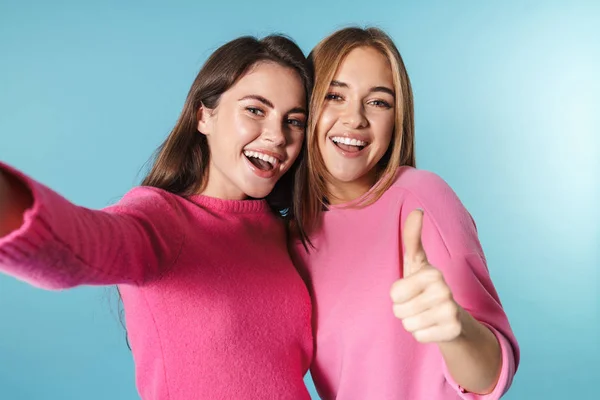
(403,304)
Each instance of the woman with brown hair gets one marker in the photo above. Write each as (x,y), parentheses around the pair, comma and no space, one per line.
(370,223)
(214,307)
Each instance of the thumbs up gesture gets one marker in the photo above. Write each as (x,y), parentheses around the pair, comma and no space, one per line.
(421,299)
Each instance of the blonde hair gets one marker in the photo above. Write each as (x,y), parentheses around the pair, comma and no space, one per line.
(311,189)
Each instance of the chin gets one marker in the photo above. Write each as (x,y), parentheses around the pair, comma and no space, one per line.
(259,192)
(346,176)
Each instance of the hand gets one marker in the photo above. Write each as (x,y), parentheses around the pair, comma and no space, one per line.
(15,198)
(422,299)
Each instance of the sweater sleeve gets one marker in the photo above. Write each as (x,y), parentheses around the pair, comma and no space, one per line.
(61,245)
(451,242)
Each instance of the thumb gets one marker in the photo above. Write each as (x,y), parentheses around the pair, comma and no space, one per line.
(414,253)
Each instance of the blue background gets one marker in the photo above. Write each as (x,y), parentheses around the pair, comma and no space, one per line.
(507,111)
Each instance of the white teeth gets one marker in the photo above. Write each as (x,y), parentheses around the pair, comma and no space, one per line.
(348,141)
(261,156)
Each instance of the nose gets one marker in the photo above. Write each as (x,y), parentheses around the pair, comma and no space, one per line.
(354,115)
(274,134)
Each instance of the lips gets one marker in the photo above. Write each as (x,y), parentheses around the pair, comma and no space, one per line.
(263,163)
(349,145)
(348,141)
(261,160)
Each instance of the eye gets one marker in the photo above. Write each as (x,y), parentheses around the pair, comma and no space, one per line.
(381,104)
(255,111)
(334,97)
(295,123)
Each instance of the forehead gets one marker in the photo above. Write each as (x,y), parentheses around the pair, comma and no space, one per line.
(279,84)
(365,66)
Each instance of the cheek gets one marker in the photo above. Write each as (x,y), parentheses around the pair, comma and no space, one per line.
(297,141)
(243,129)
(325,123)
(383,129)
(294,147)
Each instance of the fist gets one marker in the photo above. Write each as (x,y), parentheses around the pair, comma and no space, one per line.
(421,299)
(14,200)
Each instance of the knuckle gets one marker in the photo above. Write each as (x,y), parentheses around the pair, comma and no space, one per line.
(444,292)
(394,293)
(434,274)
(396,290)
(397,310)
(455,329)
(410,324)
(451,311)
(420,337)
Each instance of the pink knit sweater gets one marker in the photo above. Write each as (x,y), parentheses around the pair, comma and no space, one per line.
(362,350)
(214,307)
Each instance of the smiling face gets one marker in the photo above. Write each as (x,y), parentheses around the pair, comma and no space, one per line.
(255,133)
(356,124)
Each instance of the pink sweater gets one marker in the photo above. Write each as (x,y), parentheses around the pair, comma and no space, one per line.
(214,307)
(362,351)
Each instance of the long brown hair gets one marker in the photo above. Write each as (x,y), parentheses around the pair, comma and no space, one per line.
(311,183)
(181,162)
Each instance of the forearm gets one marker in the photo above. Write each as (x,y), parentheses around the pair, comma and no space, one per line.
(15,198)
(474,358)
(59,245)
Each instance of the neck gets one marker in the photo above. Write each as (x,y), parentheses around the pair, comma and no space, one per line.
(345,192)
(217,193)
(220,187)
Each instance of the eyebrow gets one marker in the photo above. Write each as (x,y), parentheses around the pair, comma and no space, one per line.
(269,104)
(382,89)
(298,110)
(259,98)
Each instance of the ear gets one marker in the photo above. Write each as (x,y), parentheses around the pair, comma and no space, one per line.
(205,120)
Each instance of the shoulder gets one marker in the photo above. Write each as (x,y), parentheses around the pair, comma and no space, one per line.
(427,189)
(426,186)
(446,213)
(149,200)
(148,193)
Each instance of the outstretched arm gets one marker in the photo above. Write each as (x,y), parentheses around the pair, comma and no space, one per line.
(54,244)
